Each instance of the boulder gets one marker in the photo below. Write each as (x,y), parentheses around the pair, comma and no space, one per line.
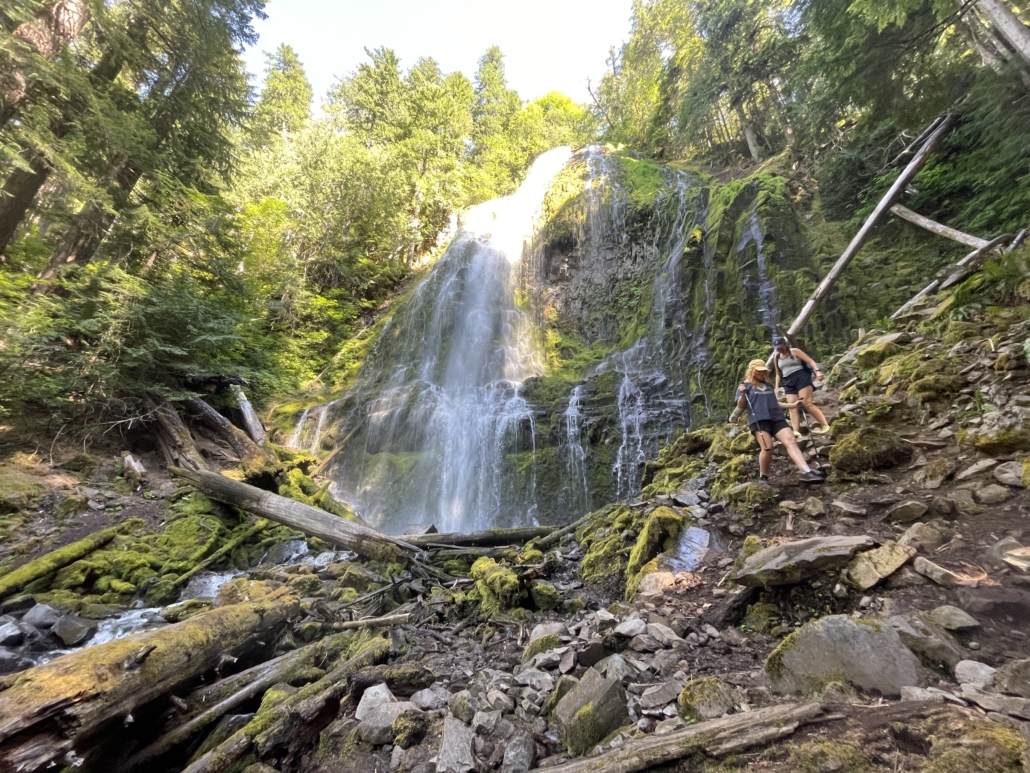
(995,554)
(376,695)
(41,616)
(975,469)
(938,574)
(1010,474)
(706,698)
(661,694)
(1014,678)
(974,672)
(992,494)
(867,654)
(456,747)
(931,643)
(922,536)
(462,706)
(867,569)
(953,619)
(594,708)
(431,698)
(548,629)
(519,755)
(1000,432)
(1002,704)
(995,602)
(869,448)
(870,356)
(11,635)
(908,511)
(631,628)
(932,475)
(377,726)
(73,630)
(791,562)
(814,507)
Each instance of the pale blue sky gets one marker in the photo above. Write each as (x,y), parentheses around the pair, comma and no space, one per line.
(549,45)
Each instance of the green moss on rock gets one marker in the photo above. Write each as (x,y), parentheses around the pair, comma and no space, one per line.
(498,586)
(540,644)
(545,596)
(661,530)
(869,448)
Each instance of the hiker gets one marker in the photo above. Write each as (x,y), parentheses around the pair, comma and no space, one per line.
(767,422)
(794,371)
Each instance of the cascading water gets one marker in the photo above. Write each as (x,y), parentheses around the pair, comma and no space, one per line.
(576,485)
(436,408)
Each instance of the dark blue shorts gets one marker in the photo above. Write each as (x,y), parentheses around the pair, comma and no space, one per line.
(772,427)
(796,381)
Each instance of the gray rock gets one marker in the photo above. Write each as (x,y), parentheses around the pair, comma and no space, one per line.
(869,568)
(995,602)
(995,554)
(906,578)
(73,630)
(645,643)
(548,629)
(841,507)
(971,472)
(1014,678)
(592,654)
(906,512)
(926,639)
(630,628)
(953,619)
(1010,474)
(11,661)
(605,620)
(867,654)
(922,695)
(933,475)
(593,709)
(1002,704)
(431,698)
(922,536)
(485,722)
(974,672)
(11,635)
(616,667)
(376,695)
(498,701)
(814,507)
(377,726)
(791,562)
(706,698)
(661,694)
(664,634)
(455,748)
(992,494)
(536,679)
(520,754)
(463,706)
(938,574)
(41,616)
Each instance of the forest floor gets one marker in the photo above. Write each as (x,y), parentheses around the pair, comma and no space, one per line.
(877,622)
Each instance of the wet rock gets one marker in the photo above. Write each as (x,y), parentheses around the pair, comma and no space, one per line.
(11,635)
(867,654)
(12,661)
(377,726)
(791,562)
(376,695)
(73,630)
(1010,474)
(953,619)
(456,748)
(992,494)
(631,628)
(922,536)
(938,574)
(593,709)
(869,568)
(1014,678)
(906,512)
(41,616)
(519,755)
(1002,704)
(706,698)
(974,672)
(926,639)
(869,448)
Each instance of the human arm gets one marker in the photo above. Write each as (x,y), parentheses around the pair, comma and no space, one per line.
(810,362)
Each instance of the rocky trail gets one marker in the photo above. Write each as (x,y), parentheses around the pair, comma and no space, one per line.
(874,623)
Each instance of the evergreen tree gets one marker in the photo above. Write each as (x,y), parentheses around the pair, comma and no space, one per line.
(285,104)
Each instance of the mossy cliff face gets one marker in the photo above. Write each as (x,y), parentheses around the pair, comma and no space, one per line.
(643,293)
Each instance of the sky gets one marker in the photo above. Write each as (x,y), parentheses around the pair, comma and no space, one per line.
(549,45)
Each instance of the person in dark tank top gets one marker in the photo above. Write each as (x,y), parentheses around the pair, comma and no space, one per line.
(768,422)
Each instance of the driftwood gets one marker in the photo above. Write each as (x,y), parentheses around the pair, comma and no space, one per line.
(371,622)
(253,457)
(555,536)
(15,580)
(867,228)
(489,538)
(295,721)
(717,738)
(938,228)
(176,441)
(250,418)
(310,520)
(51,712)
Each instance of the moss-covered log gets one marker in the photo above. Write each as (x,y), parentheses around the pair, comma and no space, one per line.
(310,520)
(225,550)
(483,539)
(54,711)
(15,580)
(717,738)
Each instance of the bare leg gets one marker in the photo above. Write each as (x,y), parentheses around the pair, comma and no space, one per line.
(765,442)
(807,393)
(795,413)
(786,437)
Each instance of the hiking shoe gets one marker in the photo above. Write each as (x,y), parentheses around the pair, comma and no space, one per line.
(822,429)
(812,477)
(764,480)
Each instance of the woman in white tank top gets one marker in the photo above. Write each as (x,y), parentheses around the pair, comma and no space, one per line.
(794,371)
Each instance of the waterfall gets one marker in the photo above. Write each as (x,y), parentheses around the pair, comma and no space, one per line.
(574,451)
(439,433)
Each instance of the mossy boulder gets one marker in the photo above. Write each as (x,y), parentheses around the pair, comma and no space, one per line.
(871,356)
(869,448)
(498,586)
(933,388)
(548,641)
(729,441)
(661,530)
(706,698)
(410,728)
(1000,432)
(605,538)
(980,745)
(545,596)
(960,331)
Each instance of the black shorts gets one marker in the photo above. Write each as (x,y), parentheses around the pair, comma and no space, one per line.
(796,381)
(772,427)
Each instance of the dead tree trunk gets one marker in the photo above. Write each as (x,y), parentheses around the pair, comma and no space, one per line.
(489,538)
(180,446)
(255,460)
(1009,26)
(51,712)
(310,520)
(749,134)
(250,417)
(937,228)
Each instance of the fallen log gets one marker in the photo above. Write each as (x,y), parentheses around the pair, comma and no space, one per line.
(972,261)
(482,539)
(178,444)
(227,548)
(295,721)
(51,713)
(371,622)
(254,459)
(938,228)
(310,520)
(250,418)
(717,738)
(555,536)
(16,579)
